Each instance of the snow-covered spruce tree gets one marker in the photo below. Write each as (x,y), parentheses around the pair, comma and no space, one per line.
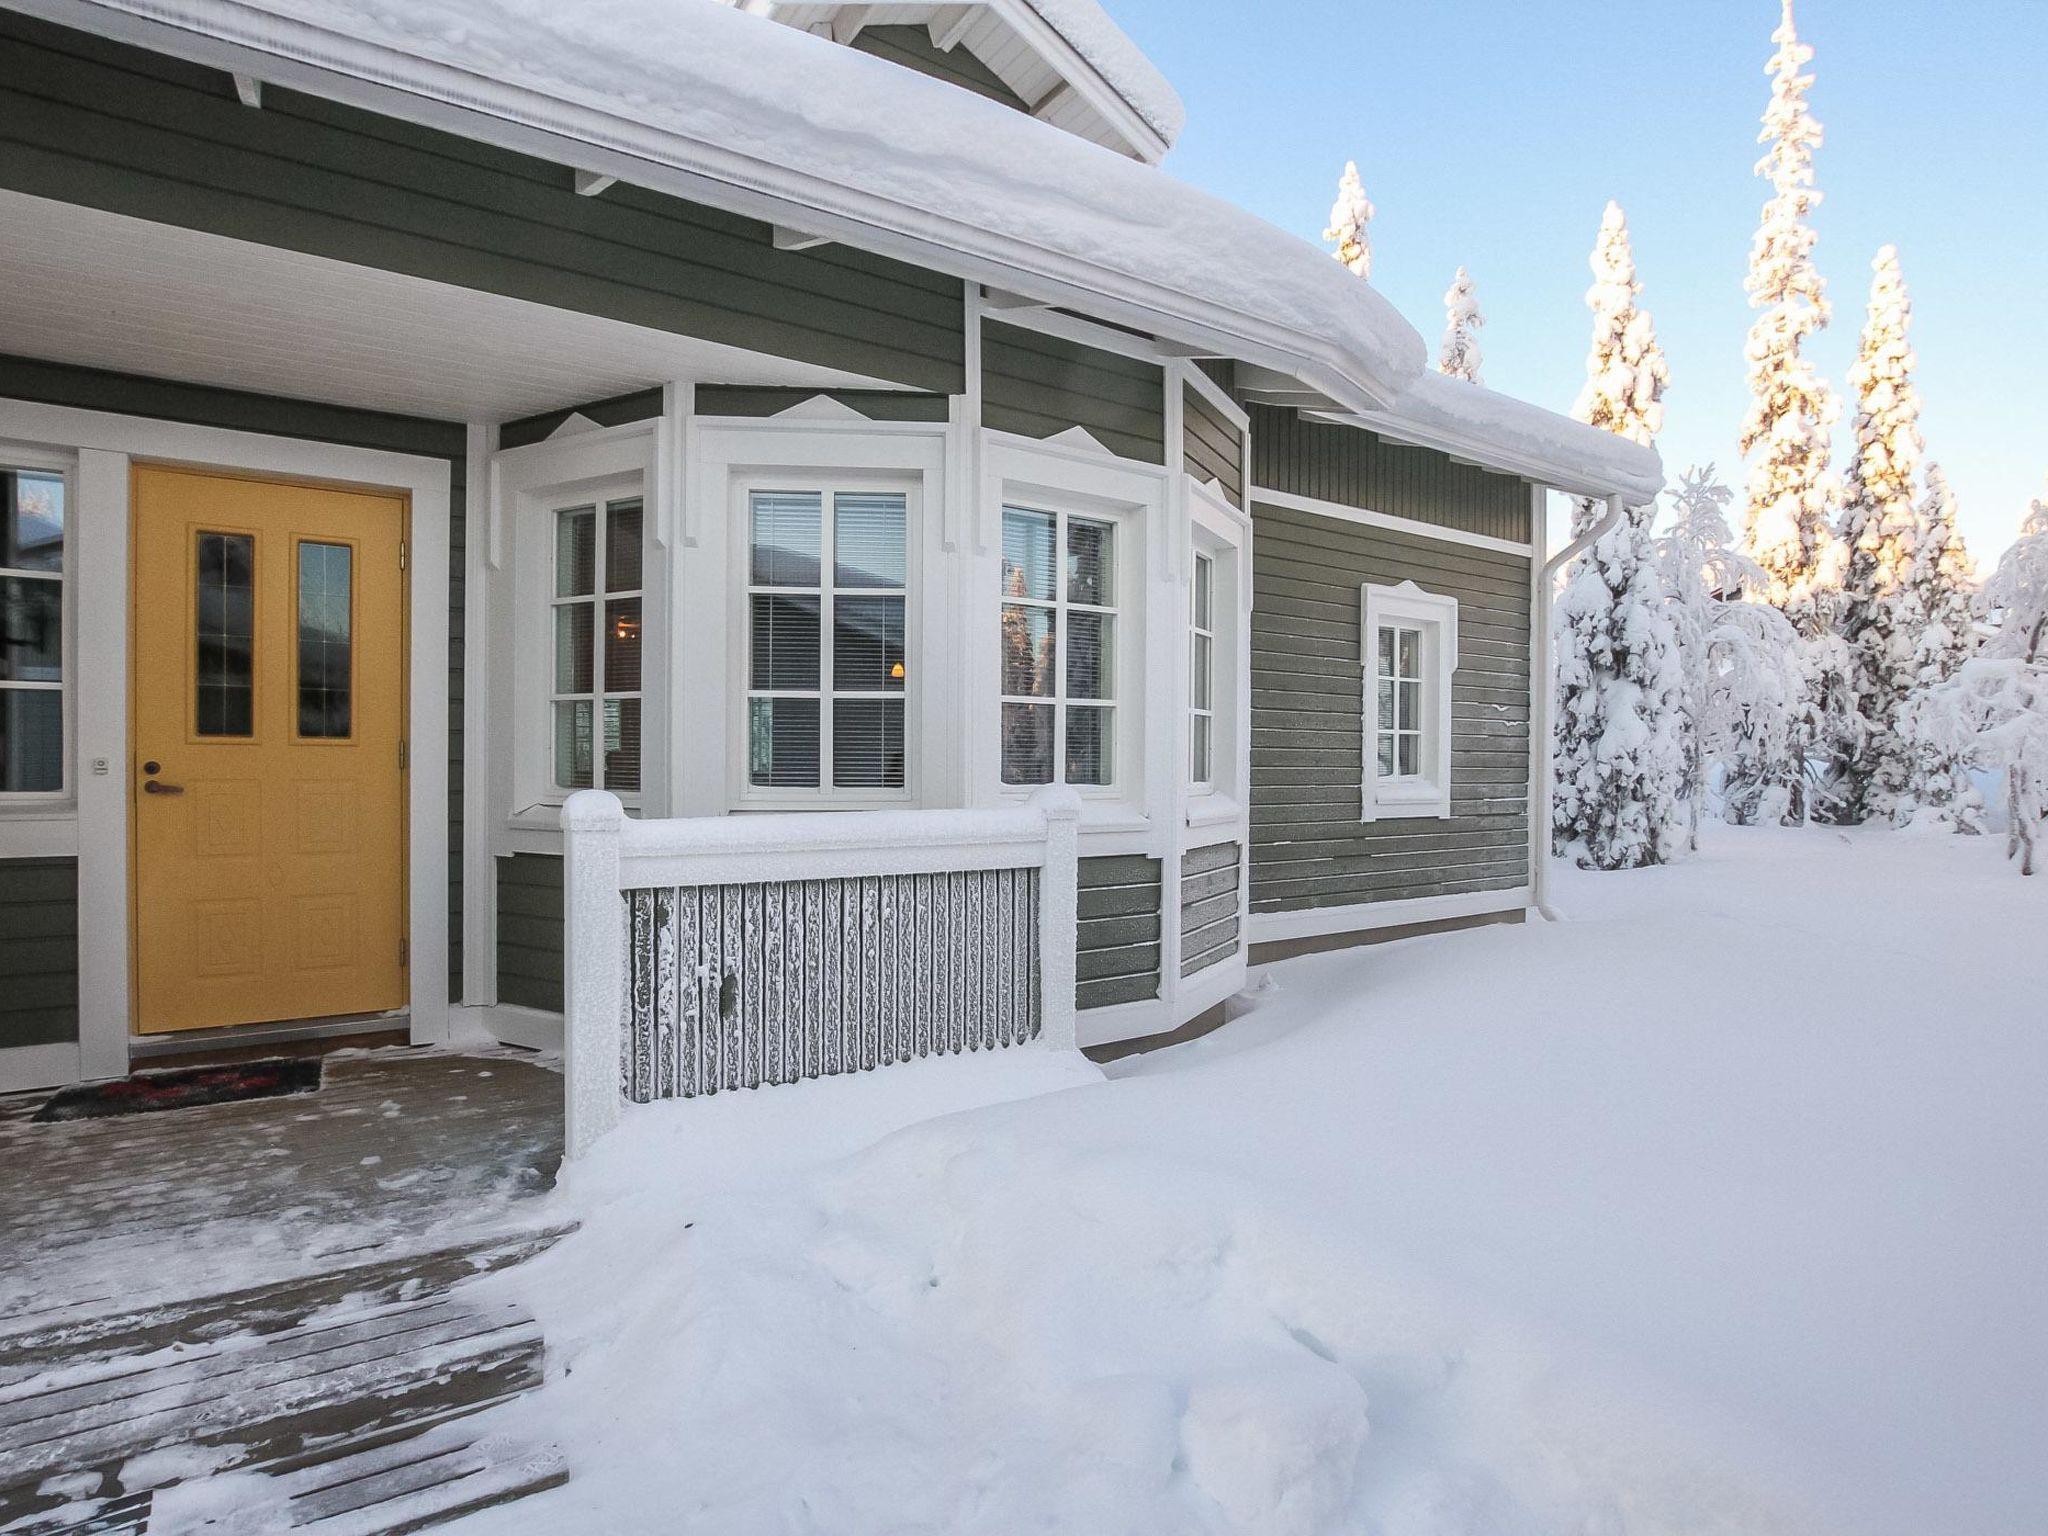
(1994,711)
(1619,678)
(1459,355)
(1878,532)
(1741,679)
(1939,591)
(1350,221)
(1788,519)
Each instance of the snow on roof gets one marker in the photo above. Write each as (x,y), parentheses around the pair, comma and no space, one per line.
(1122,64)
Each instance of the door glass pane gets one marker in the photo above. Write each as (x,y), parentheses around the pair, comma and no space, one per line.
(1027,743)
(1091,655)
(31,740)
(1029,653)
(622,522)
(867,743)
(31,521)
(576,552)
(785,538)
(575,665)
(326,672)
(867,538)
(226,703)
(782,743)
(1091,563)
(867,644)
(785,640)
(1091,743)
(573,745)
(31,630)
(621,646)
(1029,557)
(622,744)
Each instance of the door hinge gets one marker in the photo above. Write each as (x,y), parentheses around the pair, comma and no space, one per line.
(404,754)
(404,553)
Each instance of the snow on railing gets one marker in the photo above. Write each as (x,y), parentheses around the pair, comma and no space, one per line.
(712,953)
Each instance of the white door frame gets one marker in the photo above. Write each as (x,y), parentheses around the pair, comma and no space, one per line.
(106,444)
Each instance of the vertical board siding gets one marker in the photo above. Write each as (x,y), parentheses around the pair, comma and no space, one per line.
(1309,847)
(1356,468)
(1209,889)
(1213,447)
(912,47)
(742,986)
(110,126)
(200,405)
(770,400)
(1117,951)
(1038,386)
(38,952)
(530,931)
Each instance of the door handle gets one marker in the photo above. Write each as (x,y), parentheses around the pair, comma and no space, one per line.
(152,787)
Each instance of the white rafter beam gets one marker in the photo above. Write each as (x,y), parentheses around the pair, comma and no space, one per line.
(948,27)
(592,183)
(851,22)
(249,90)
(787,239)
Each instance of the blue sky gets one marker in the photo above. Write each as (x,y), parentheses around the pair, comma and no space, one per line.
(1492,134)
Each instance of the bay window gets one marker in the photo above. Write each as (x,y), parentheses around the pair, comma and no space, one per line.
(1202,672)
(1059,648)
(828,584)
(32,526)
(1410,653)
(596,696)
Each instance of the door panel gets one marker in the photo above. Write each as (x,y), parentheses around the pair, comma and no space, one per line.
(269,711)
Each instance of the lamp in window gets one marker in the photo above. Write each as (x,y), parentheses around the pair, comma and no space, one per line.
(896,672)
(625,627)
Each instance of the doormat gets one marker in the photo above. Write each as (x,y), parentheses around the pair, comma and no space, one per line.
(147,1092)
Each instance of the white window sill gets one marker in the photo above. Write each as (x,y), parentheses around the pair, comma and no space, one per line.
(1394,805)
(29,830)
(1210,809)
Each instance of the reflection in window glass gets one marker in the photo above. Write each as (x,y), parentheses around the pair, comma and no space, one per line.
(226,704)
(1398,698)
(326,663)
(31,632)
(596,690)
(1054,608)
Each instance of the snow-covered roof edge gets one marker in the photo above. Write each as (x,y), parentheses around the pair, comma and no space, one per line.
(1501,432)
(1124,66)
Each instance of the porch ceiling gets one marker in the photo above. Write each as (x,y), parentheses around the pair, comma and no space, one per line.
(102,290)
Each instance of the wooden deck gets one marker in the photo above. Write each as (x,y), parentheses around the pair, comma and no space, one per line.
(251,1317)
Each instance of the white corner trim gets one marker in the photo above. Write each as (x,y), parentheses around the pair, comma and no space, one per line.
(1370,916)
(39,1066)
(1264,495)
(1217,396)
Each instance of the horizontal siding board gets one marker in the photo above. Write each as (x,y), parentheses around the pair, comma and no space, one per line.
(1038,385)
(1309,847)
(118,128)
(530,931)
(1209,900)
(1199,861)
(1117,955)
(1122,989)
(38,952)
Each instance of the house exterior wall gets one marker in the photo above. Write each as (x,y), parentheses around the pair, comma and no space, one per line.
(1117,956)
(529,894)
(1038,385)
(38,952)
(1209,891)
(1212,445)
(1310,847)
(93,122)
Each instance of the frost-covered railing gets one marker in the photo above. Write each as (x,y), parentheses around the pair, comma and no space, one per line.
(705,954)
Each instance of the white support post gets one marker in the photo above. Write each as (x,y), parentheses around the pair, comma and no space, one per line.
(594,968)
(1058,914)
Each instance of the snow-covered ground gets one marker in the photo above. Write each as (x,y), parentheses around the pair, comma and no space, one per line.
(1722,1207)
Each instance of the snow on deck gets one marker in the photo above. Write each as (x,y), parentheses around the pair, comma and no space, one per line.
(1720,1208)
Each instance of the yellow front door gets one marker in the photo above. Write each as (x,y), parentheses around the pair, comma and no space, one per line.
(268,780)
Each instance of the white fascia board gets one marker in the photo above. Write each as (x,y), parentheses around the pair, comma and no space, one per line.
(237,38)
(1371,916)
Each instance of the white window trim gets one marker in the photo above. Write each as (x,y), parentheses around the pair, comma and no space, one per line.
(598,599)
(1223,533)
(22,806)
(1428,793)
(827,796)
(1203,783)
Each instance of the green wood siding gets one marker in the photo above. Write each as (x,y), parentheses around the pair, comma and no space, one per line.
(641,405)
(1038,385)
(1356,468)
(1212,445)
(1117,959)
(38,952)
(1309,848)
(1208,906)
(912,47)
(88,121)
(875,404)
(530,931)
(166,400)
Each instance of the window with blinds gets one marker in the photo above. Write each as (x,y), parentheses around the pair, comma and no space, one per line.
(827,609)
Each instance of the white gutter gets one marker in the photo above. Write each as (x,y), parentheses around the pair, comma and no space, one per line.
(1542,582)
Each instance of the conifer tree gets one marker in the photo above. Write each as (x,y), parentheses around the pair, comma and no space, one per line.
(1879,534)
(1939,591)
(1787,525)
(1619,680)
(1350,220)
(1459,355)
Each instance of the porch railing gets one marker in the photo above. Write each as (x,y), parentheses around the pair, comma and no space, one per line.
(715,953)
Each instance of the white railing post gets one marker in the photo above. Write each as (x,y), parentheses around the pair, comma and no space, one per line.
(593,966)
(1058,914)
